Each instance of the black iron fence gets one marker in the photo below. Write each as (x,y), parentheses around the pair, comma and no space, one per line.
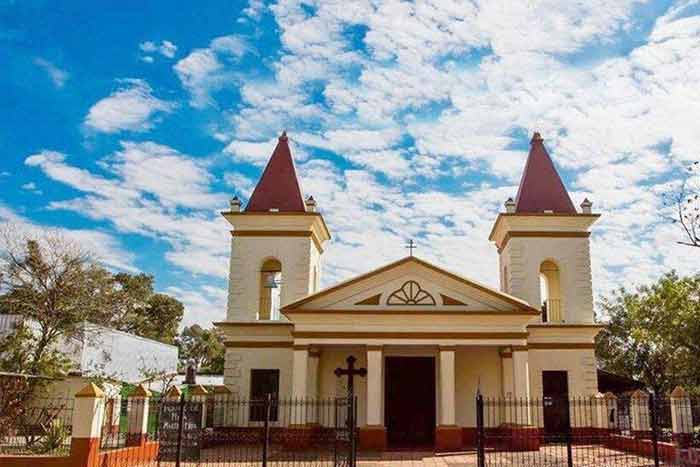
(41,426)
(228,431)
(600,431)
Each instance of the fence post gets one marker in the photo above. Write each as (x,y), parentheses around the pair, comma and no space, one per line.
(639,408)
(654,428)
(200,394)
(266,430)
(681,417)
(480,454)
(88,412)
(137,417)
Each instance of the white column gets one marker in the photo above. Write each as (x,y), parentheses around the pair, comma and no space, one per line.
(312,387)
(300,371)
(300,376)
(447,386)
(521,386)
(375,371)
(507,372)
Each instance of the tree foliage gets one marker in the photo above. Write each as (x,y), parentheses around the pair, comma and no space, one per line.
(654,333)
(203,347)
(56,286)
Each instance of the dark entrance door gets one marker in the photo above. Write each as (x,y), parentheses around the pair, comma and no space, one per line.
(555,389)
(409,408)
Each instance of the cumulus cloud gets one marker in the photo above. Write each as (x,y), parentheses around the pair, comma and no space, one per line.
(202,71)
(455,92)
(105,247)
(132,107)
(150,190)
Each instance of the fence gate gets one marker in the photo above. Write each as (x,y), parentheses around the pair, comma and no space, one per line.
(602,431)
(266,432)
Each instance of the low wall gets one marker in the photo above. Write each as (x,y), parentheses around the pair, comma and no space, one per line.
(134,455)
(81,456)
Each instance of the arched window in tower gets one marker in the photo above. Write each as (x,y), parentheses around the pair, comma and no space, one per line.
(550,292)
(270,290)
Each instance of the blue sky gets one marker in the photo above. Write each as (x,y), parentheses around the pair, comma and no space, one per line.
(130,127)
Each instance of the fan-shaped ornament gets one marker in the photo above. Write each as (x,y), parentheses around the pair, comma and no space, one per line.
(410,293)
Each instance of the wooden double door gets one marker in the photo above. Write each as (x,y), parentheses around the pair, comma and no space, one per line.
(409,401)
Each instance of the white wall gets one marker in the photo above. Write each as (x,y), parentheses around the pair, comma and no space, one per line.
(125,357)
(110,353)
(298,255)
(475,368)
(239,362)
(523,257)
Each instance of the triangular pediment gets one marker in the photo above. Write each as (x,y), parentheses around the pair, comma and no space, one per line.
(410,285)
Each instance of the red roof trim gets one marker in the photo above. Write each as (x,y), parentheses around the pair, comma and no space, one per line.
(278,188)
(541,188)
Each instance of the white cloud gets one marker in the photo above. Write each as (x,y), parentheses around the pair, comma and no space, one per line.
(242,185)
(254,10)
(132,107)
(176,206)
(202,306)
(57,75)
(106,247)
(166,49)
(202,70)
(31,187)
(252,152)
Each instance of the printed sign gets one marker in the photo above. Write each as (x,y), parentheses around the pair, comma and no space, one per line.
(169,431)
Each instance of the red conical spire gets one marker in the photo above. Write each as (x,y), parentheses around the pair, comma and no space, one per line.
(278,187)
(541,188)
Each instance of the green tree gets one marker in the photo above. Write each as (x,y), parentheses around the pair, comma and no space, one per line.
(144,312)
(204,347)
(57,286)
(653,333)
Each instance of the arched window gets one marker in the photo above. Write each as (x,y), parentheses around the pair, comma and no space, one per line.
(270,289)
(550,292)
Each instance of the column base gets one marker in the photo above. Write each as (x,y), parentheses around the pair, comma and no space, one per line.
(373,438)
(448,438)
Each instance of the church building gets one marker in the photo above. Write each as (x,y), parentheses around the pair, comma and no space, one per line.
(429,338)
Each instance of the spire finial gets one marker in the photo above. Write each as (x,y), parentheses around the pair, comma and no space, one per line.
(283,136)
(536,137)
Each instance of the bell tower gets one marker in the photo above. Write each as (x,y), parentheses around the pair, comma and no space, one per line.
(276,245)
(543,243)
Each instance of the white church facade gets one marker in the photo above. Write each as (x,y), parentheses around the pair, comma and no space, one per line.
(428,338)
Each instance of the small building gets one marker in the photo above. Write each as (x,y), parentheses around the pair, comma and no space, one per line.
(105,353)
(429,338)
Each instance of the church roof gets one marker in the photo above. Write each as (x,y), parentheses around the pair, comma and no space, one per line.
(541,188)
(278,187)
(515,301)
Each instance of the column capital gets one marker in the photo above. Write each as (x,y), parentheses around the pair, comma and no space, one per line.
(447,348)
(374,347)
(306,347)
